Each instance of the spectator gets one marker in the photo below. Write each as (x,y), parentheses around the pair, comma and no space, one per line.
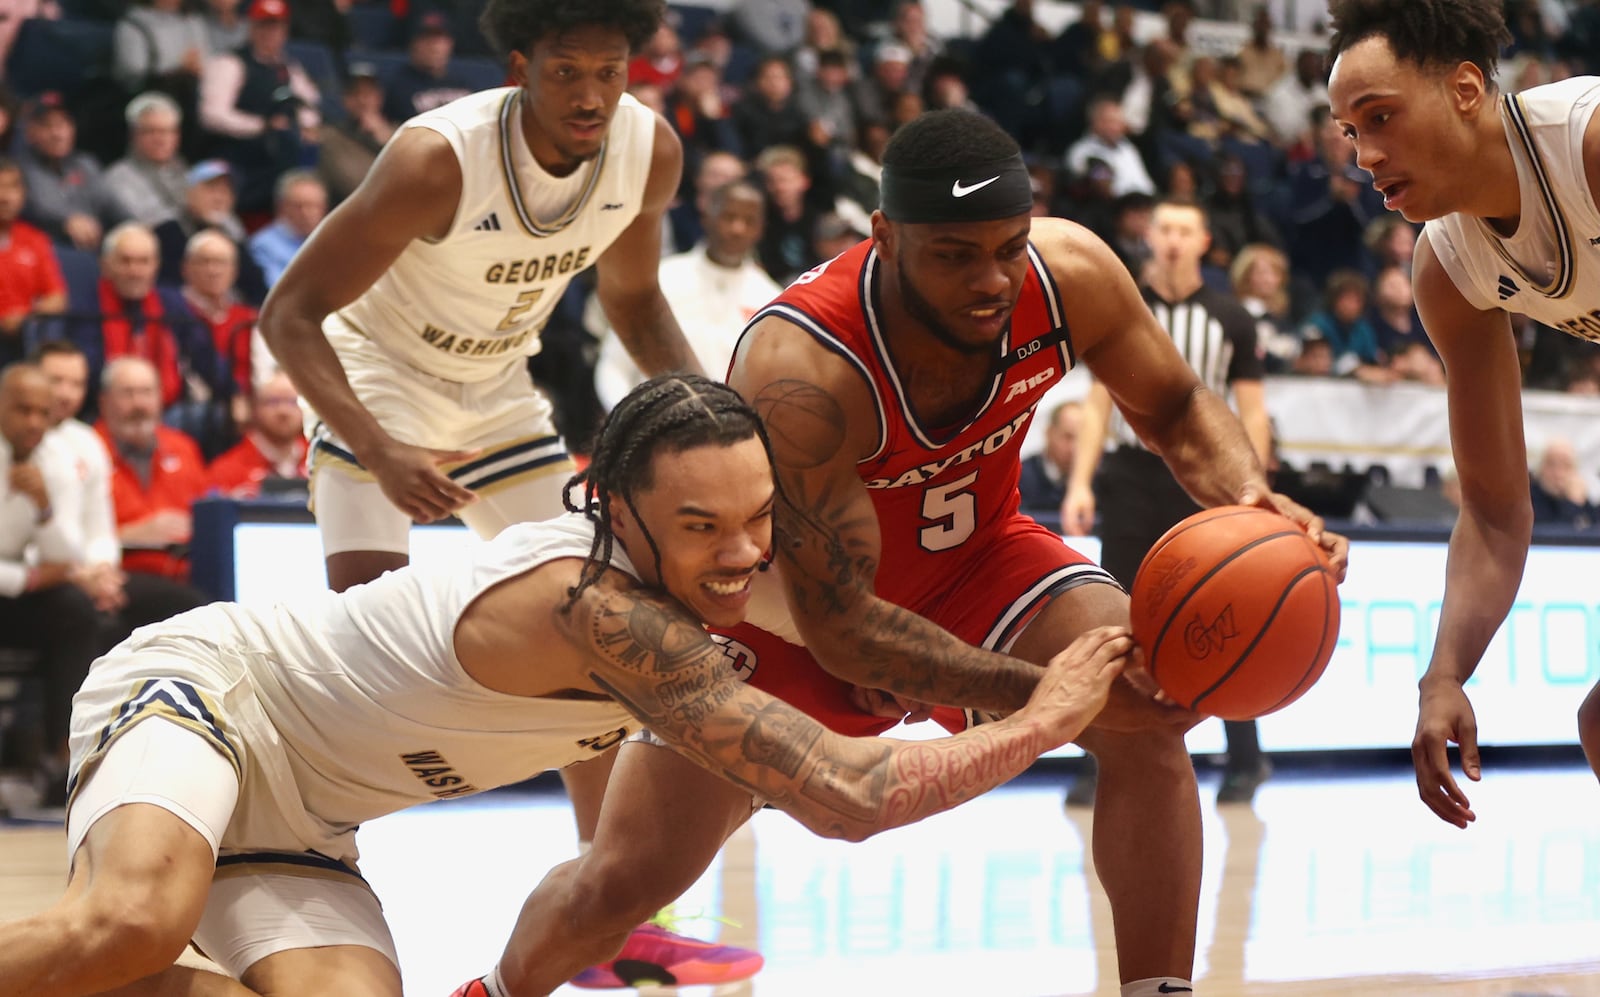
(160,46)
(262,103)
(1287,106)
(210,265)
(86,512)
(30,276)
(1560,494)
(425,81)
(943,86)
(714,290)
(694,109)
(326,23)
(1148,99)
(350,146)
(909,28)
(1332,203)
(1315,358)
(1091,203)
(823,34)
(1078,48)
(1342,322)
(1390,240)
(138,319)
(1131,230)
(12,14)
(1262,61)
(716,170)
(835,233)
(207,204)
(1236,221)
(773,27)
(302,202)
(274,448)
(1107,140)
(67,197)
(1260,278)
(226,30)
(156,472)
(785,246)
(828,102)
(150,183)
(1402,343)
(877,96)
(769,114)
(43,602)
(660,61)
(1044,475)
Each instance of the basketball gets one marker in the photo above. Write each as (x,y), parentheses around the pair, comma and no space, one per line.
(1237,612)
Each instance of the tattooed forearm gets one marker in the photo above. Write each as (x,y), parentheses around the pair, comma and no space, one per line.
(781,737)
(936,775)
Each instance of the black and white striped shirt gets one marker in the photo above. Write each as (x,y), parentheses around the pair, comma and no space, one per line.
(1217,338)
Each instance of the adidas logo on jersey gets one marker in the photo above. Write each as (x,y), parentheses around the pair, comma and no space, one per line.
(490,224)
(1508,287)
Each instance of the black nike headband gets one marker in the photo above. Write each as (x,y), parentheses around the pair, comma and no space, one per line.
(943,195)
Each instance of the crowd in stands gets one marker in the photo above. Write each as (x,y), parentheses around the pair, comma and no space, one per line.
(161,164)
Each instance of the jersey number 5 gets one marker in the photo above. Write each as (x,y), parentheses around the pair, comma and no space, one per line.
(954,510)
(525,301)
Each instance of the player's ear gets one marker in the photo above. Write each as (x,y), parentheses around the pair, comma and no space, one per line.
(883,235)
(518,67)
(1468,89)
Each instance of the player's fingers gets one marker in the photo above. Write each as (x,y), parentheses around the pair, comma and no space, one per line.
(1435,786)
(451,495)
(1467,738)
(452,456)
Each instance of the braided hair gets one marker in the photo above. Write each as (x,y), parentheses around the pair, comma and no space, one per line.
(664,415)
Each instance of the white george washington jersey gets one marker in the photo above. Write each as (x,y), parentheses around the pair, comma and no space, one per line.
(1549,269)
(373,710)
(465,306)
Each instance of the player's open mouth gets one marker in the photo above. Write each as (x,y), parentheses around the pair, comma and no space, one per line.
(728,588)
(586,128)
(1392,191)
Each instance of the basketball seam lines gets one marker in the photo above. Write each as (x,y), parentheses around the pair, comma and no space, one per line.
(1261,632)
(1300,686)
(1202,580)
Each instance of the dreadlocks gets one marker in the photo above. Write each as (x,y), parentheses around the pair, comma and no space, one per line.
(664,415)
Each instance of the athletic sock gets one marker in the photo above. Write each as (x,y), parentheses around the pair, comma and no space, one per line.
(1157,986)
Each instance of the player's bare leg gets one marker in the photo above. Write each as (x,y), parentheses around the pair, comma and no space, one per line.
(138,886)
(346,970)
(350,568)
(586,788)
(1589,728)
(1147,838)
(664,824)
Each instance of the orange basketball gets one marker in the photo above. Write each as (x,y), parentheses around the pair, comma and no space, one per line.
(1237,612)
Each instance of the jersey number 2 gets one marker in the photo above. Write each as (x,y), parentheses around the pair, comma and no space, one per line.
(954,510)
(525,301)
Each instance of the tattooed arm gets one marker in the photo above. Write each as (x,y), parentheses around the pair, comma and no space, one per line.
(650,656)
(820,415)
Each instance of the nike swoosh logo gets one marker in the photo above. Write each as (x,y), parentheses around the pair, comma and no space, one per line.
(1167,988)
(956,190)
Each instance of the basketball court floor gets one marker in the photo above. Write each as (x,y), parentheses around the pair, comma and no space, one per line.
(1332,884)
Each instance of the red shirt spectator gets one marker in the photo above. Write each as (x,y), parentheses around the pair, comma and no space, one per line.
(156,472)
(30,275)
(210,269)
(29,272)
(273,448)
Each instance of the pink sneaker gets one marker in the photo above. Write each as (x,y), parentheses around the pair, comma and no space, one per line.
(655,956)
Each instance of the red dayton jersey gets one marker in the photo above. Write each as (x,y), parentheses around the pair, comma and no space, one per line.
(941,493)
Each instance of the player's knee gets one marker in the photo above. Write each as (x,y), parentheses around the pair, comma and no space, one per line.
(614,894)
(1154,751)
(131,931)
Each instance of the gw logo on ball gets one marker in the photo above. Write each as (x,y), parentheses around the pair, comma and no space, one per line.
(1200,638)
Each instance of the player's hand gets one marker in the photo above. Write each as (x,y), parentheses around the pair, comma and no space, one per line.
(1445,715)
(104,585)
(28,480)
(1335,546)
(1077,512)
(411,478)
(1136,703)
(1077,681)
(882,703)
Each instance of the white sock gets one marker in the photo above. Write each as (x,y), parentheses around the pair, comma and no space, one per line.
(584,846)
(493,984)
(1157,986)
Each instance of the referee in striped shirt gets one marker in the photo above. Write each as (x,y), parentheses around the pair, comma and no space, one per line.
(1136,494)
